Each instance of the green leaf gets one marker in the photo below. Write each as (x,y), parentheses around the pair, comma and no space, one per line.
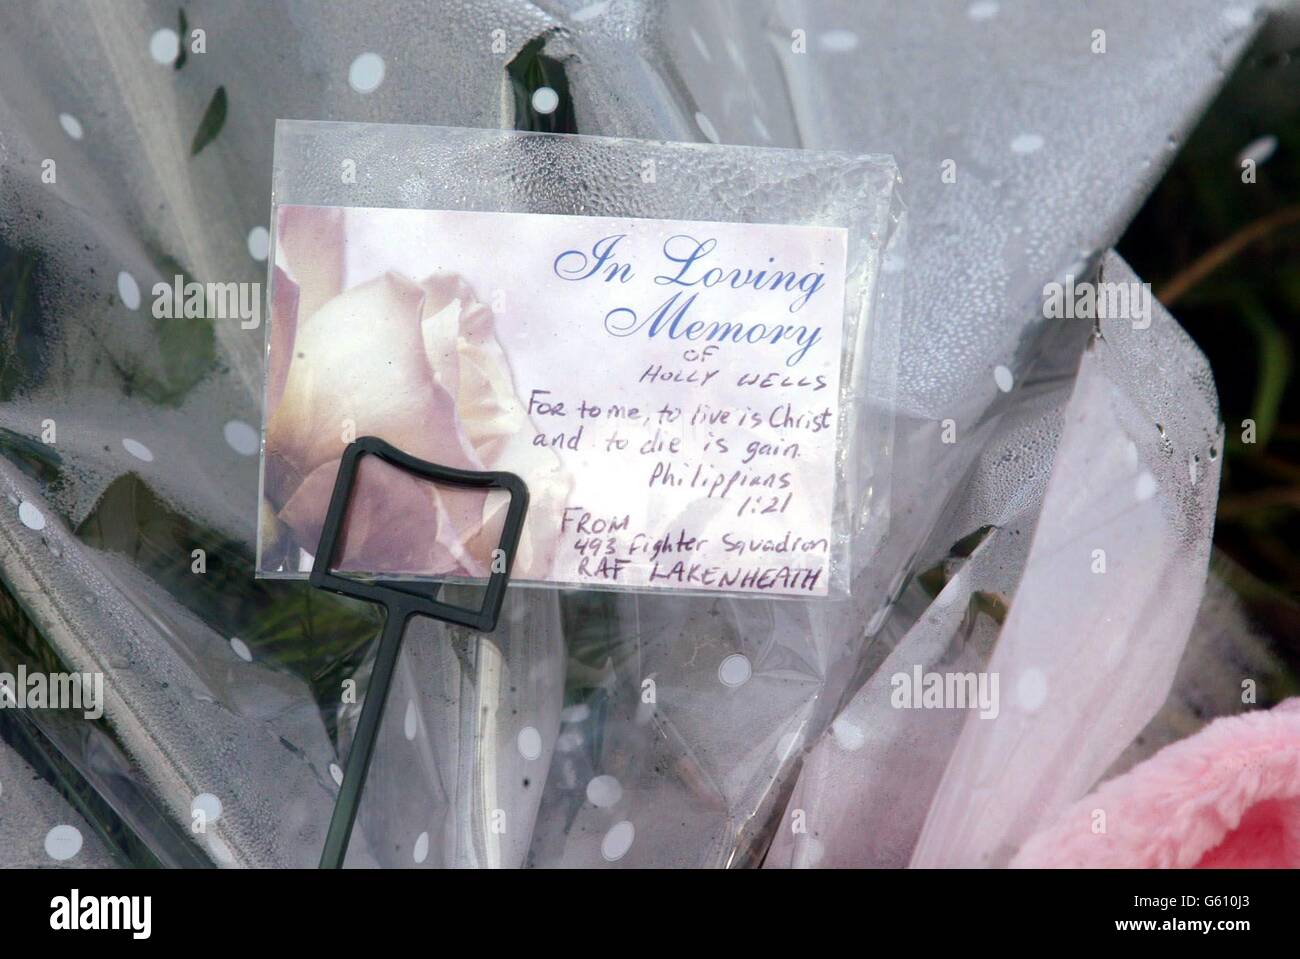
(38,460)
(967,545)
(214,118)
(186,350)
(22,329)
(318,636)
(1273,369)
(529,70)
(184,35)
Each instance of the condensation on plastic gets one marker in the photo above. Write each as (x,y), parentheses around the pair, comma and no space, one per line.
(535,173)
(37,826)
(1054,147)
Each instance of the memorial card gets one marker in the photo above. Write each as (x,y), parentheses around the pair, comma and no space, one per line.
(670,390)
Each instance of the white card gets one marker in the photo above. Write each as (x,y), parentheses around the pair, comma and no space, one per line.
(669,390)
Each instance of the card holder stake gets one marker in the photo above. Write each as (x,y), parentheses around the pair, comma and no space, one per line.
(401,600)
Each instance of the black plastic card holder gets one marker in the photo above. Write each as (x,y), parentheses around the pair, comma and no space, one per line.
(401,600)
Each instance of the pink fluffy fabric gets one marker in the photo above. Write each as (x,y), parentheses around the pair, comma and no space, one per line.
(1227,797)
